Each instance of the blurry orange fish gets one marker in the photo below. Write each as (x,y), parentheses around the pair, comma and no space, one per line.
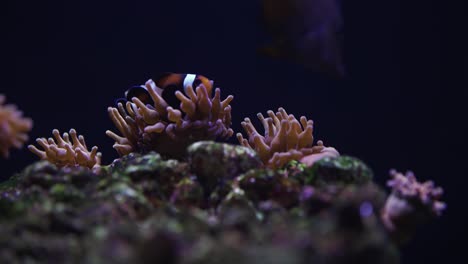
(305,31)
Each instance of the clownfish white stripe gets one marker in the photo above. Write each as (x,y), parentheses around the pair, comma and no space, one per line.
(189,79)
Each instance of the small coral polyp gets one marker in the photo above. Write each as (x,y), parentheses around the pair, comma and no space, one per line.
(406,186)
(410,203)
(167,130)
(64,152)
(13,127)
(285,139)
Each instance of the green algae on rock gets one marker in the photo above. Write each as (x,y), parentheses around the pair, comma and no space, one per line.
(220,204)
(148,166)
(266,184)
(187,192)
(342,169)
(215,163)
(151,172)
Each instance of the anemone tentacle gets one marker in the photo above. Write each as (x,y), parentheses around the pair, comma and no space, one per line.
(285,138)
(166,129)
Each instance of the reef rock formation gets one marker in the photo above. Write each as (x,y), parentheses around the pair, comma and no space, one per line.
(215,163)
(219,206)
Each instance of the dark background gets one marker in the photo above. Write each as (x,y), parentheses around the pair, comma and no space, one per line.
(401,106)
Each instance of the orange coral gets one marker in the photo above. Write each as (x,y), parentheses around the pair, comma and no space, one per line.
(65,152)
(13,127)
(167,130)
(285,139)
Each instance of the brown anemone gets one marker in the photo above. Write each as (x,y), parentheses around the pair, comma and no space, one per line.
(285,139)
(167,130)
(64,152)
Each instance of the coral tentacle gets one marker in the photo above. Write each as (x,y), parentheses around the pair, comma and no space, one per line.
(168,130)
(285,138)
(68,150)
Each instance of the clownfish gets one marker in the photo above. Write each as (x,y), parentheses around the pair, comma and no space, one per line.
(166,86)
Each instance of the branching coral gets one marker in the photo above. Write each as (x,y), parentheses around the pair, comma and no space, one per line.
(166,130)
(410,203)
(285,139)
(65,152)
(13,127)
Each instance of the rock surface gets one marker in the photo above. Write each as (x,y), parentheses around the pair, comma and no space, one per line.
(220,206)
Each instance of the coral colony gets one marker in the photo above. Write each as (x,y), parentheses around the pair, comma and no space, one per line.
(285,139)
(65,152)
(13,127)
(169,131)
(175,195)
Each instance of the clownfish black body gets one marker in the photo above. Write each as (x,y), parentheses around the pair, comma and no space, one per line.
(166,86)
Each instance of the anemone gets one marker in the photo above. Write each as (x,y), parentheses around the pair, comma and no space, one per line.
(13,127)
(64,152)
(167,130)
(285,139)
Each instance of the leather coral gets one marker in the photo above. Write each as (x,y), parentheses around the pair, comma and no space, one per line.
(285,139)
(13,127)
(168,130)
